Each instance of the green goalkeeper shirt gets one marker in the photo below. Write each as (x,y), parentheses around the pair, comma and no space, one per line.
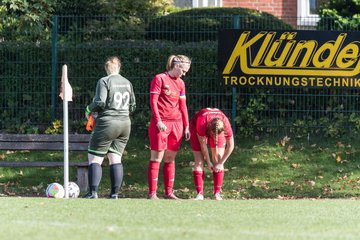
(114,97)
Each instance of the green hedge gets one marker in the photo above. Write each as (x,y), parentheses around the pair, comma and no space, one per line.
(25,80)
(202,24)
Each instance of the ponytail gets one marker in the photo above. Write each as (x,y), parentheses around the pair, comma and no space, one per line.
(215,127)
(216,138)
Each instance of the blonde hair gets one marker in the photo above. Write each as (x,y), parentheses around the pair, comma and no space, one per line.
(177,59)
(112,65)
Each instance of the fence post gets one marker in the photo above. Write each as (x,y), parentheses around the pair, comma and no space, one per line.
(236,25)
(54,34)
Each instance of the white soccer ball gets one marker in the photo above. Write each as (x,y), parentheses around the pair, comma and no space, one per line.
(55,190)
(74,190)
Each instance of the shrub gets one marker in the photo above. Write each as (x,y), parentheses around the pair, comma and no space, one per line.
(342,15)
(202,24)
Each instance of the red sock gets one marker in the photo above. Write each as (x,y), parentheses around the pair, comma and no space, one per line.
(169,176)
(218,181)
(199,181)
(153,174)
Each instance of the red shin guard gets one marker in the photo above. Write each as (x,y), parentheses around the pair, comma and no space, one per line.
(199,181)
(169,177)
(153,174)
(218,178)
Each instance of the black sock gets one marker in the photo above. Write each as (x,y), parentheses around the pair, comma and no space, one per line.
(116,177)
(94,174)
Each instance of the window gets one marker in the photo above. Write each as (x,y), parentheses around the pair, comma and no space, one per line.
(307,12)
(198,3)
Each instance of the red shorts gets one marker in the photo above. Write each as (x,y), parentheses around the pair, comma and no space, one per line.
(195,144)
(170,139)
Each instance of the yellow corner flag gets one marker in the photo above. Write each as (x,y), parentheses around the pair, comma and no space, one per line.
(65,89)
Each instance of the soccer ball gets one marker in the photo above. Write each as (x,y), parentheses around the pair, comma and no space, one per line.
(55,190)
(74,190)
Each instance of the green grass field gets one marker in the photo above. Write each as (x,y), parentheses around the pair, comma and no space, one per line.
(258,168)
(274,189)
(42,218)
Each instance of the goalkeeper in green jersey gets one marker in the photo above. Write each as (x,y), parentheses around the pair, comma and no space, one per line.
(113,102)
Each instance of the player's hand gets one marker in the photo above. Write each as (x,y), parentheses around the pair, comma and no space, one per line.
(87,112)
(187,133)
(161,126)
(90,123)
(209,165)
(219,167)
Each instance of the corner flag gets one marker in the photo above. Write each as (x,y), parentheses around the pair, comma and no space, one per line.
(65,89)
(66,96)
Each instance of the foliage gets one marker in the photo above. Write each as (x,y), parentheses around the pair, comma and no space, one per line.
(33,21)
(334,127)
(340,15)
(354,120)
(130,8)
(111,20)
(248,121)
(23,128)
(56,128)
(78,7)
(25,19)
(202,24)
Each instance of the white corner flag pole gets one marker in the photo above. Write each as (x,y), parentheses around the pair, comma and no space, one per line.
(66,95)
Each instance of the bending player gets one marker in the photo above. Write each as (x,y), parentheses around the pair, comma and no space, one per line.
(210,126)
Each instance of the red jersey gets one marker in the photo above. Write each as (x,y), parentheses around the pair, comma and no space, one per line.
(204,116)
(167,99)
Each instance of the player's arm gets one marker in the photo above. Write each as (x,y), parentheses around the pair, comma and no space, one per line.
(184,112)
(155,112)
(185,116)
(100,97)
(154,97)
(205,150)
(229,141)
(132,104)
(228,150)
(155,89)
(201,130)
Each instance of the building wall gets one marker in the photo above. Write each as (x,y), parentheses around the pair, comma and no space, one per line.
(283,9)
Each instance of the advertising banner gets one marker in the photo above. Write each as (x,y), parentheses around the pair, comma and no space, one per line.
(258,58)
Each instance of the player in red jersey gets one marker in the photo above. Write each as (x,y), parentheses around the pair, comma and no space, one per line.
(210,125)
(168,123)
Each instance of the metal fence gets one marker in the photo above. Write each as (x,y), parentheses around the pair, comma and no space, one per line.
(30,73)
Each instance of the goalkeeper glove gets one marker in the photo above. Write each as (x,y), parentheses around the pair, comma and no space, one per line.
(90,123)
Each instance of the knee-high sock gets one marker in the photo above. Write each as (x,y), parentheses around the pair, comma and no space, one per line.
(116,177)
(218,178)
(94,174)
(169,177)
(199,181)
(153,174)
